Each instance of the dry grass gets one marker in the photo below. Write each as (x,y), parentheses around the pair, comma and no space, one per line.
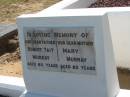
(10,63)
(10,9)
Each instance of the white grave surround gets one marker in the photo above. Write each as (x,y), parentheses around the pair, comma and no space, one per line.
(49,82)
(63,17)
(120,30)
(11,86)
(118,20)
(43,80)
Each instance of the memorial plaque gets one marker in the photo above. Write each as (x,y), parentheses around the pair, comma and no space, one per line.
(61,49)
(68,53)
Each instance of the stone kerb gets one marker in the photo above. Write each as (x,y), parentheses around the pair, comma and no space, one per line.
(71,21)
(119,21)
(11,86)
(68,6)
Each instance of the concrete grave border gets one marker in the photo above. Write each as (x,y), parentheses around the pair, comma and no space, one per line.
(15,86)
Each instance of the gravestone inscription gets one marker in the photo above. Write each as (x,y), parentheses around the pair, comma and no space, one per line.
(68,56)
(61,49)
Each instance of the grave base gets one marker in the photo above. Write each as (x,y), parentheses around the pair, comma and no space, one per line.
(123,93)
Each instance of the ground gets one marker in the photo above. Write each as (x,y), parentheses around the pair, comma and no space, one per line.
(10,62)
(10,9)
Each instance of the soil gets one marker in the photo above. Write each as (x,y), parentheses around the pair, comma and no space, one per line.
(9,11)
(110,3)
(124,78)
(10,63)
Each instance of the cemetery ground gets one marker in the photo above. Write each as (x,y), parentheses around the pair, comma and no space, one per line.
(10,62)
(10,9)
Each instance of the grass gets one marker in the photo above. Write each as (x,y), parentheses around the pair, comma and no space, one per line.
(6,2)
(10,9)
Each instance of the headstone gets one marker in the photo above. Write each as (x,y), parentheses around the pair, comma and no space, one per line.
(61,49)
(62,58)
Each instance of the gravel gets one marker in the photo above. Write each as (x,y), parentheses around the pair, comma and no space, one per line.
(110,3)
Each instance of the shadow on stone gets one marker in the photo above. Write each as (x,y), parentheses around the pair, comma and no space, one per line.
(9,43)
(3,96)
